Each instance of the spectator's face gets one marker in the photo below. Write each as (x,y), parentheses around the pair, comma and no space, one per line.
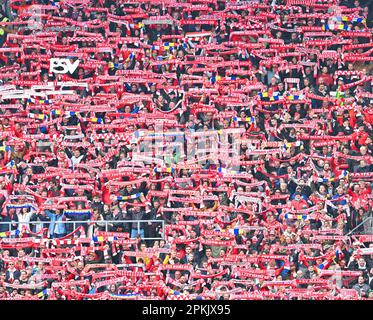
(208,252)
(361,262)
(80,266)
(322,189)
(363,150)
(29,271)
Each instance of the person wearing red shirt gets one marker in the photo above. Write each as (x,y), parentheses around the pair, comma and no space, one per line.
(298,203)
(325,77)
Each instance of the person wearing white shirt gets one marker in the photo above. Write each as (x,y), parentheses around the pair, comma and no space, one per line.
(24,217)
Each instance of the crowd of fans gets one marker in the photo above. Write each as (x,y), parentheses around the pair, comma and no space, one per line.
(201,149)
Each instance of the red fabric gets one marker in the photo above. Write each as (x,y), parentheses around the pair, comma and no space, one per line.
(298,205)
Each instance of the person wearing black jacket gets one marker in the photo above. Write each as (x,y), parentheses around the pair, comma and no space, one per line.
(38,218)
(11,273)
(10,216)
(7,218)
(256,242)
(97,204)
(358,264)
(152,228)
(203,255)
(363,167)
(117,215)
(369,259)
(137,213)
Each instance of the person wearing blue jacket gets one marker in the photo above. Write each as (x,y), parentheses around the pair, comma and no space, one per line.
(57,229)
(339,194)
